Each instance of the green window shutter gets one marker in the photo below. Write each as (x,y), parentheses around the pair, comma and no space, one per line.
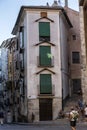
(45,84)
(45,60)
(44,29)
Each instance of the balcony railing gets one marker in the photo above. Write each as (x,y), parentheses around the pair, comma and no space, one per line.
(46,94)
(45,65)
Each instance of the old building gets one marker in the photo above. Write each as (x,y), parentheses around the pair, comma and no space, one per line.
(4,74)
(83,31)
(42,33)
(74,43)
(43,62)
(7,73)
(13,77)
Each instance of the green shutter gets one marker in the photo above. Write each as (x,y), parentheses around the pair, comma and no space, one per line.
(45,84)
(44,58)
(44,29)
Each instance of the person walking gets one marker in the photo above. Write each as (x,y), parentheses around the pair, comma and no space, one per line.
(73,116)
(81,107)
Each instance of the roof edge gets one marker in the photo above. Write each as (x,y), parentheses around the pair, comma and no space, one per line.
(38,7)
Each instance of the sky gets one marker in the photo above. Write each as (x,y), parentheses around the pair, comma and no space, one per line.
(9,10)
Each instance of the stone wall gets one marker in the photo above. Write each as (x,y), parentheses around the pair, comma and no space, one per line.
(33,110)
(83,55)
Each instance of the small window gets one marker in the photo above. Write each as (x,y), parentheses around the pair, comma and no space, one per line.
(74,37)
(16,65)
(17,45)
(75,57)
(43,14)
(10,68)
(21,37)
(76,85)
(10,50)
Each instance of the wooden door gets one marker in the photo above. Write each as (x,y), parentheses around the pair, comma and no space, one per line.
(45,109)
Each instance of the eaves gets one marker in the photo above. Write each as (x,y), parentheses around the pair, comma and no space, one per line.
(23,8)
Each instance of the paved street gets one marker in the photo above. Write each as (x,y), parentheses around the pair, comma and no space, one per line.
(41,127)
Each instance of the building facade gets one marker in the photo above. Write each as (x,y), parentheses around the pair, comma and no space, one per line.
(74,43)
(83,30)
(43,67)
(43,32)
(7,73)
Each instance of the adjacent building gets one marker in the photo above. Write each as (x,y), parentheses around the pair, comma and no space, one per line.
(83,31)
(74,52)
(7,74)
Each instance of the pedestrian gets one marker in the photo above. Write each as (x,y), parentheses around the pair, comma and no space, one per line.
(81,107)
(61,114)
(1,117)
(73,116)
(85,112)
(80,103)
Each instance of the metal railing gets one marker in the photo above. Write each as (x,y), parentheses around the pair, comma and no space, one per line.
(52,93)
(51,64)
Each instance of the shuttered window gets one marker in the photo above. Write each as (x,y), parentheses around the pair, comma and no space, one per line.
(44,52)
(75,57)
(45,84)
(44,31)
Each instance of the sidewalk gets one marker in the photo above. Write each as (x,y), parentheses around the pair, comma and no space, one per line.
(55,122)
(52,123)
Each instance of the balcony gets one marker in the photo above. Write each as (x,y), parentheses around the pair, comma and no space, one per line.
(46,94)
(39,64)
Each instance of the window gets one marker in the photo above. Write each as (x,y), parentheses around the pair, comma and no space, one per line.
(16,65)
(43,14)
(22,89)
(44,31)
(21,36)
(74,37)
(17,45)
(75,57)
(45,84)
(44,59)
(10,50)
(76,85)
(10,67)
